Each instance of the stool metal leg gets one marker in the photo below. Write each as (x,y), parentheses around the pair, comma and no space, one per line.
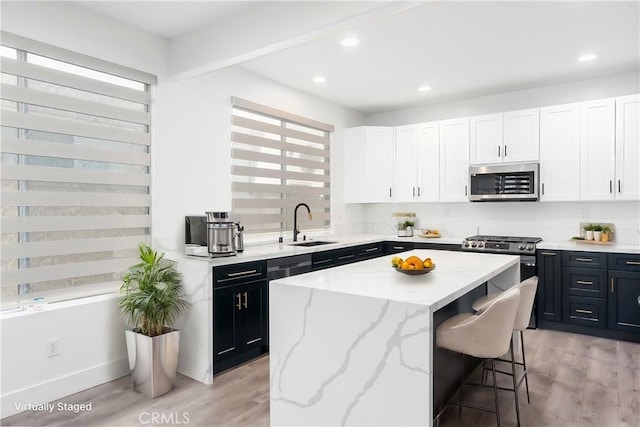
(524,365)
(461,384)
(495,391)
(515,382)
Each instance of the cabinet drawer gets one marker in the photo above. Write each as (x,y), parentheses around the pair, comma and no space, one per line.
(232,274)
(586,282)
(584,311)
(624,262)
(395,247)
(344,255)
(369,251)
(320,260)
(584,259)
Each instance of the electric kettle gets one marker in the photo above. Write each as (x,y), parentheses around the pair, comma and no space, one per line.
(238,239)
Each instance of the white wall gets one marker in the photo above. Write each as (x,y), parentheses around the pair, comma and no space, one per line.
(191,154)
(550,220)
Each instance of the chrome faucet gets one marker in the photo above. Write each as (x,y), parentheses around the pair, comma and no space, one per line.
(295,219)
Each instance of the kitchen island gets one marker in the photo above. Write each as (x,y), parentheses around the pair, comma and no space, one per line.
(354,345)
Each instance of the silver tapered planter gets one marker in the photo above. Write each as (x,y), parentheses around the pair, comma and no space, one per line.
(153,361)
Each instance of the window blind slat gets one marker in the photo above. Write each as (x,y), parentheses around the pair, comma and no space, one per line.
(44,74)
(73,151)
(272,158)
(239,204)
(52,100)
(53,198)
(273,112)
(54,174)
(72,127)
(77,222)
(65,247)
(276,189)
(258,141)
(65,271)
(248,218)
(278,130)
(275,173)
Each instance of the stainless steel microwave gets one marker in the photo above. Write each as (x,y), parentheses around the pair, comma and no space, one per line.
(504,182)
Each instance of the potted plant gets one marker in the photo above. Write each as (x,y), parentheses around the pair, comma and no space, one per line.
(151,300)
(405,229)
(605,233)
(588,229)
(597,232)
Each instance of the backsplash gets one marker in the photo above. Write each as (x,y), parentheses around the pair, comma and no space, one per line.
(551,221)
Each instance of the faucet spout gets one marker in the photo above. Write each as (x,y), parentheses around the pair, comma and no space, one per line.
(295,219)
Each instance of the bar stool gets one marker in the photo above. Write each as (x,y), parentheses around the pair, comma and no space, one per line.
(484,335)
(527,289)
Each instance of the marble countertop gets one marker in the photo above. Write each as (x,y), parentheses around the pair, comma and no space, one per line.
(455,274)
(577,245)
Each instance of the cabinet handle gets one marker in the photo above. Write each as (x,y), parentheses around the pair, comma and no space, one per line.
(583,282)
(245,300)
(242,273)
(618,186)
(584,259)
(610,186)
(465,190)
(239,305)
(548,253)
(418,191)
(498,151)
(613,284)
(414,191)
(505,151)
(632,262)
(584,311)
(371,249)
(399,247)
(346,256)
(389,191)
(226,351)
(252,341)
(543,188)
(322,261)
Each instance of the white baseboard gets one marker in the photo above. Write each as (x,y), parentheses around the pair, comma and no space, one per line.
(66,385)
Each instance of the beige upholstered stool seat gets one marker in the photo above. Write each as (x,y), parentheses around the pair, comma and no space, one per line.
(484,335)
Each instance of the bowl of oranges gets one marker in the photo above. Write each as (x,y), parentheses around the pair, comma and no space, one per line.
(412,265)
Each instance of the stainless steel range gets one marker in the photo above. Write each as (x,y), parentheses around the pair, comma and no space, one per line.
(509,245)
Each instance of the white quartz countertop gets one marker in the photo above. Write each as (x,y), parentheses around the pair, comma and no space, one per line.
(577,245)
(455,274)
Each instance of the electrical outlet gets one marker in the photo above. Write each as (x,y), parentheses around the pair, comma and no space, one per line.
(584,213)
(53,347)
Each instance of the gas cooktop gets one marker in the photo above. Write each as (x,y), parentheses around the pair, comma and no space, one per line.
(501,244)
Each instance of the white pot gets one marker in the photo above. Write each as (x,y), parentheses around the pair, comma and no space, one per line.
(597,236)
(589,234)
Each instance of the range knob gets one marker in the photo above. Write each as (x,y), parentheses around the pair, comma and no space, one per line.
(473,244)
(521,247)
(481,245)
(466,244)
(529,247)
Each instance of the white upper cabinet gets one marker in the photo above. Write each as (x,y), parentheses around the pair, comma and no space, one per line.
(417,163)
(505,137)
(627,185)
(368,164)
(521,136)
(454,160)
(486,145)
(597,149)
(560,153)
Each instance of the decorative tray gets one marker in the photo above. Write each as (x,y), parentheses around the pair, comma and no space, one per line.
(415,272)
(433,234)
(590,242)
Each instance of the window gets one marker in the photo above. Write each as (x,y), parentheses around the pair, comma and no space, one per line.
(75,170)
(278,160)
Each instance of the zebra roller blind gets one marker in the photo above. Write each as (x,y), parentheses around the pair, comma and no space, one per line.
(75,170)
(278,160)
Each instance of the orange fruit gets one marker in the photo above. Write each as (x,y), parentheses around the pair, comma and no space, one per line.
(407,266)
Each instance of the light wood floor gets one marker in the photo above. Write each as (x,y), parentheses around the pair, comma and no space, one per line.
(574,380)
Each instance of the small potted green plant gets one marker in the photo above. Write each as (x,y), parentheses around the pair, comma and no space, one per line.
(588,231)
(405,229)
(151,300)
(605,234)
(597,232)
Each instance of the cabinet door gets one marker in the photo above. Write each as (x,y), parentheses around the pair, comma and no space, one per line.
(624,301)
(521,132)
(354,162)
(454,160)
(597,149)
(560,153)
(428,156)
(378,164)
(406,164)
(226,303)
(628,148)
(486,145)
(549,300)
(253,315)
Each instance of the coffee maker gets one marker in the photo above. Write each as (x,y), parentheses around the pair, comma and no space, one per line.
(220,234)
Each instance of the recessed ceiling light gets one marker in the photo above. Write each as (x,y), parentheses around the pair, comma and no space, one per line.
(424,88)
(349,41)
(587,57)
(319,79)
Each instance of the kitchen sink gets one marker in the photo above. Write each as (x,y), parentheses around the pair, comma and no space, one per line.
(312,243)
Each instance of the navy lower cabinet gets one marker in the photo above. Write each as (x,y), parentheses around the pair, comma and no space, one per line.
(240,313)
(624,293)
(549,296)
(396,247)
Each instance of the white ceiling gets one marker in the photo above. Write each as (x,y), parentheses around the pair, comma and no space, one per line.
(460,49)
